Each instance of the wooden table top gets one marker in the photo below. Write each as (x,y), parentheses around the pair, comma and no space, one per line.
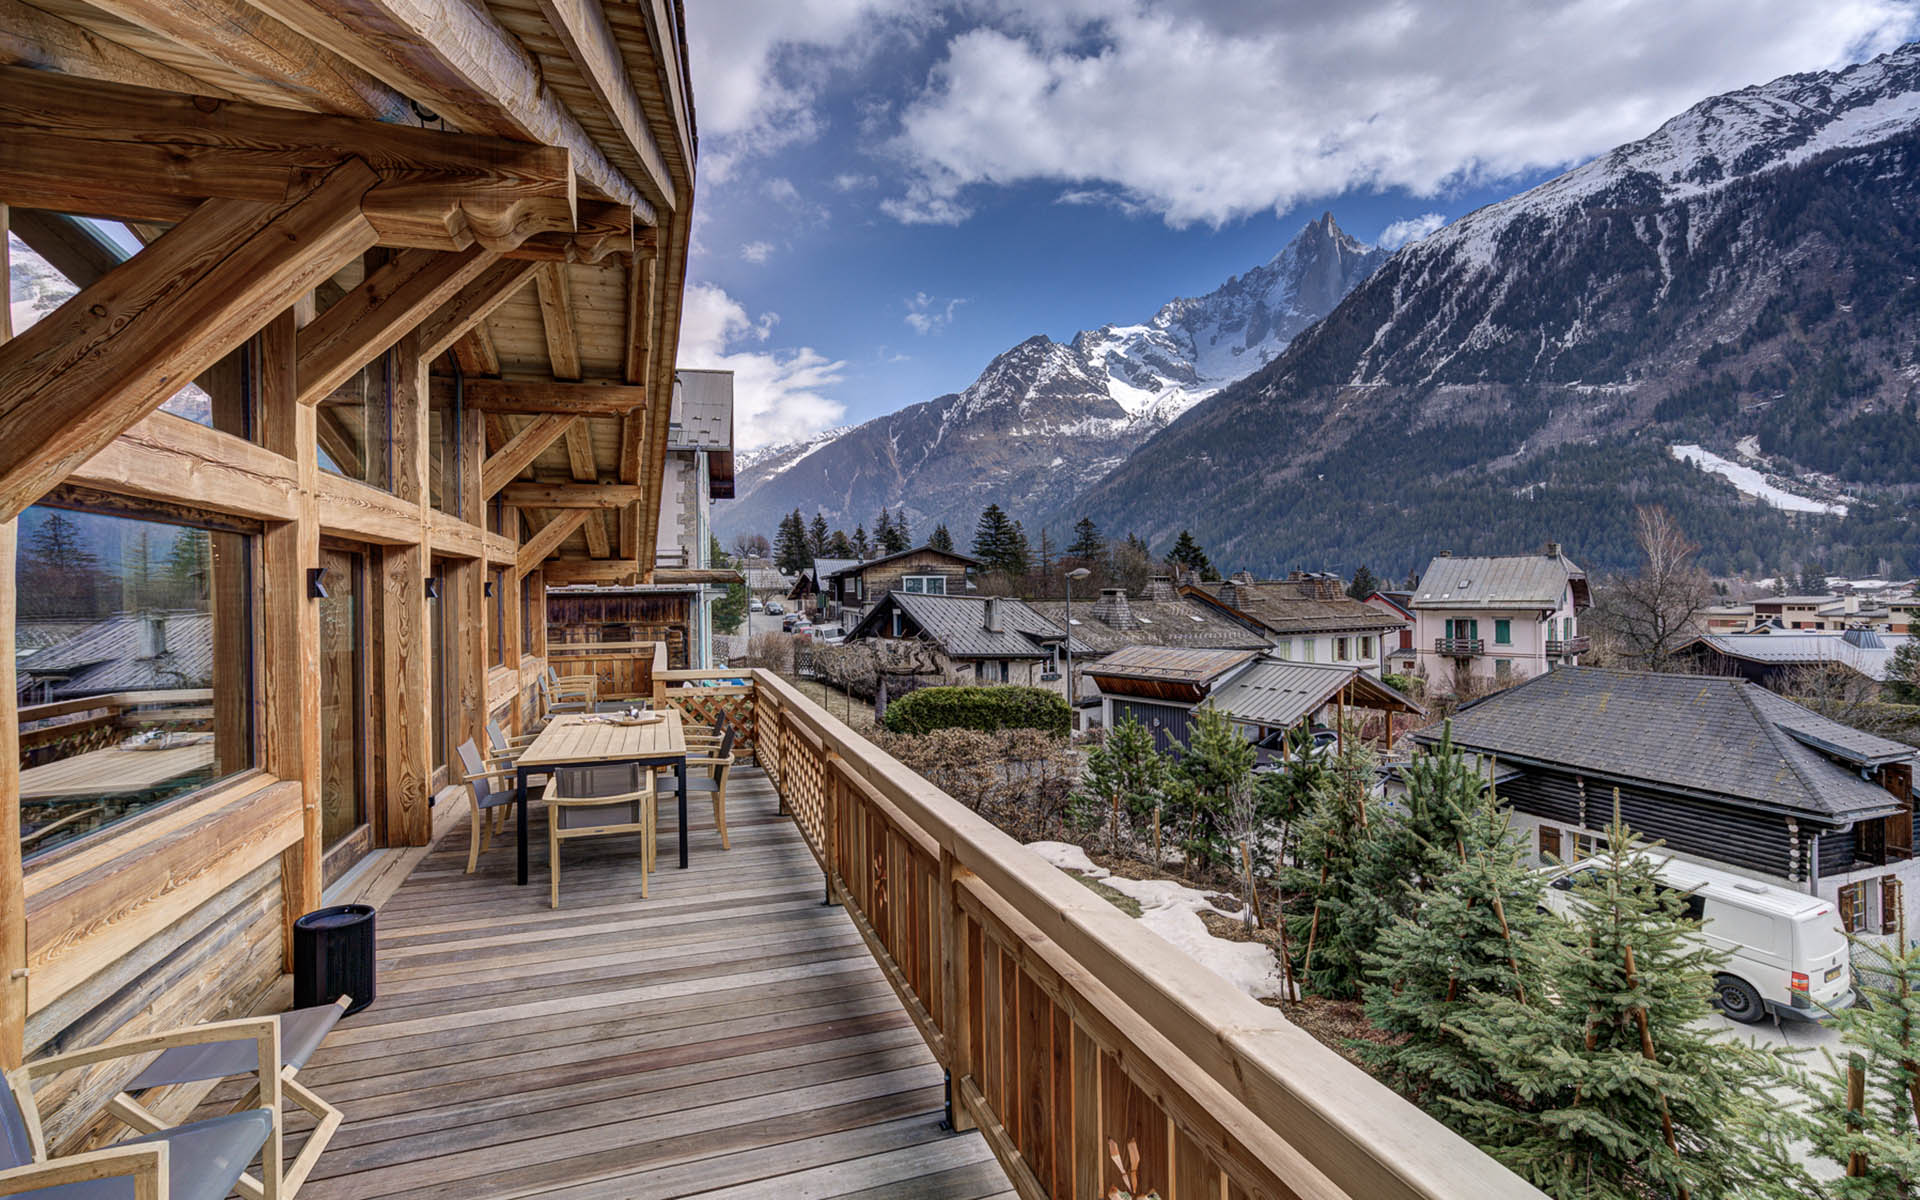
(113,771)
(581,738)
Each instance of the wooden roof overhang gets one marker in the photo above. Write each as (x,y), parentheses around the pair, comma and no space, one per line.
(262,149)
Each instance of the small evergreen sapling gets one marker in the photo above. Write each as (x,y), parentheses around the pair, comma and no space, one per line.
(1620,1089)
(1325,928)
(1126,773)
(1218,764)
(1871,1134)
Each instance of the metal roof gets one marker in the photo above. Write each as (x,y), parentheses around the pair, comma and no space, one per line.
(702,410)
(1274,692)
(1514,581)
(1867,652)
(1713,735)
(1171,665)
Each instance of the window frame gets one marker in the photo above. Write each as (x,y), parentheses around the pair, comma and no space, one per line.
(907,582)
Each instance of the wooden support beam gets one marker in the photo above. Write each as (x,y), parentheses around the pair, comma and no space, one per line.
(464,66)
(544,543)
(535,395)
(639,340)
(13,894)
(240,37)
(582,28)
(138,154)
(476,354)
(117,350)
(463,315)
(518,454)
(632,442)
(368,320)
(33,37)
(596,530)
(580,452)
(556,318)
(600,229)
(562,571)
(571,495)
(630,533)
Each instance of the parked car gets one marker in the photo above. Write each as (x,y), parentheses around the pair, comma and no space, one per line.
(1786,955)
(756,606)
(792,622)
(774,609)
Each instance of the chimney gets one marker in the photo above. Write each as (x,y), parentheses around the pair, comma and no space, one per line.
(1243,578)
(153,635)
(992,616)
(1229,594)
(1112,610)
(1553,549)
(1444,554)
(1160,588)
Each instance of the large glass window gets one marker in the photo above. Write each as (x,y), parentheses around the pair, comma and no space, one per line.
(444,418)
(343,694)
(931,585)
(497,617)
(135,658)
(354,424)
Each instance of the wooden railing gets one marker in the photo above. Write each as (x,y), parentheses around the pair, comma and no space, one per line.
(705,697)
(64,728)
(1459,647)
(626,670)
(1066,1026)
(1578,644)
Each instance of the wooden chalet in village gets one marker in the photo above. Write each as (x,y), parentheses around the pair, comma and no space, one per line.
(971,639)
(1717,768)
(353,329)
(845,591)
(1305,618)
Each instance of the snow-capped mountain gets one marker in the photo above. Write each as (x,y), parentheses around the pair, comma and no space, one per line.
(1748,273)
(1047,417)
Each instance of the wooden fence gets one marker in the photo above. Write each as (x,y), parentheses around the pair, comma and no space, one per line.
(1067,1028)
(704,697)
(626,670)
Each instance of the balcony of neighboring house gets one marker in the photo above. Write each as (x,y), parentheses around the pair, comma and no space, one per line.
(1459,647)
(1563,647)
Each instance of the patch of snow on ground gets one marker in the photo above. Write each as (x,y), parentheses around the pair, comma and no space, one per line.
(1173,910)
(1752,482)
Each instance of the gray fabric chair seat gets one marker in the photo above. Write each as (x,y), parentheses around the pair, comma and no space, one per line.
(204,1160)
(572,816)
(695,783)
(301,1033)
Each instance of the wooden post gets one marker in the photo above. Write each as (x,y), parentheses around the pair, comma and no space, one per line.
(404,627)
(291,675)
(13,893)
(956,988)
(1856,1109)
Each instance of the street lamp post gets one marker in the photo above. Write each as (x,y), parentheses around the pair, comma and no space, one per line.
(1076,573)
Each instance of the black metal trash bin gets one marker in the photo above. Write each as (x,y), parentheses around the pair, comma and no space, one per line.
(333,956)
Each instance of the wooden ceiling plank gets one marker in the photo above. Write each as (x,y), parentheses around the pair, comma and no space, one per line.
(460,62)
(548,540)
(462,315)
(581,26)
(629,533)
(86,372)
(570,495)
(556,319)
(240,36)
(33,37)
(503,466)
(379,312)
(537,395)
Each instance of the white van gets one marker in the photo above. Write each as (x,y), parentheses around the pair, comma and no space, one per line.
(1785,954)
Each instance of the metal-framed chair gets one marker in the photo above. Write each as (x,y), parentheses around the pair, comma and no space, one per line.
(301,1032)
(580,806)
(490,799)
(199,1160)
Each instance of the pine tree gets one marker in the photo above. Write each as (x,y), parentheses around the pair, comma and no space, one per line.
(1323,879)
(838,546)
(1903,673)
(1087,545)
(1363,585)
(790,554)
(883,531)
(60,575)
(189,568)
(1418,841)
(941,539)
(1880,1038)
(1019,560)
(902,528)
(1217,768)
(1126,773)
(730,609)
(817,535)
(993,541)
(1187,553)
(862,545)
(1476,932)
(1618,1089)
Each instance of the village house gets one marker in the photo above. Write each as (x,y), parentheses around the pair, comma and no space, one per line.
(851,589)
(969,639)
(1401,655)
(1480,622)
(1305,618)
(808,590)
(1159,616)
(1719,769)
(1779,660)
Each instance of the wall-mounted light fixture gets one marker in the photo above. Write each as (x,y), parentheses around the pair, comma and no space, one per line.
(433,588)
(487,588)
(316,583)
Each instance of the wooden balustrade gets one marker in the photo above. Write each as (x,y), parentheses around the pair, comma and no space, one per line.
(1066,1027)
(704,697)
(96,722)
(626,670)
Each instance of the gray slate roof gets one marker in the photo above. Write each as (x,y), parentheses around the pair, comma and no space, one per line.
(1513,581)
(104,657)
(1183,622)
(958,623)
(1290,606)
(1171,665)
(1712,735)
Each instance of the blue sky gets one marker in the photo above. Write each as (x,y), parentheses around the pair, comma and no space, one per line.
(892,192)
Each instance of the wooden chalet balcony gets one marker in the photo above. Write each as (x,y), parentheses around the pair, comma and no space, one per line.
(732,1035)
(1556,647)
(1459,647)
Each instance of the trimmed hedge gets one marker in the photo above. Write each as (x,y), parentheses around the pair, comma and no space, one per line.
(987,709)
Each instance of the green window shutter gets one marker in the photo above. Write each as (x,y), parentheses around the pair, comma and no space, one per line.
(1503,632)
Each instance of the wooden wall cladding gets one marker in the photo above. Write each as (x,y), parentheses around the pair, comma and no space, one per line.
(84,915)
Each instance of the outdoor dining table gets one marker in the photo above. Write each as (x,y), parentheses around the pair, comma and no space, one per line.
(597,740)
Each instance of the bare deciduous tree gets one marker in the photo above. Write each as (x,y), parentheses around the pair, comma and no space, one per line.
(1651,614)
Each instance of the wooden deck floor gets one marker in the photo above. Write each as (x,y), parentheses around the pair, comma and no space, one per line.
(727,1037)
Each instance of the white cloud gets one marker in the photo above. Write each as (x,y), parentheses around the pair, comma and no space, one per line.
(1208,110)
(925,314)
(778,395)
(756,252)
(1409,229)
(782,191)
(852,182)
